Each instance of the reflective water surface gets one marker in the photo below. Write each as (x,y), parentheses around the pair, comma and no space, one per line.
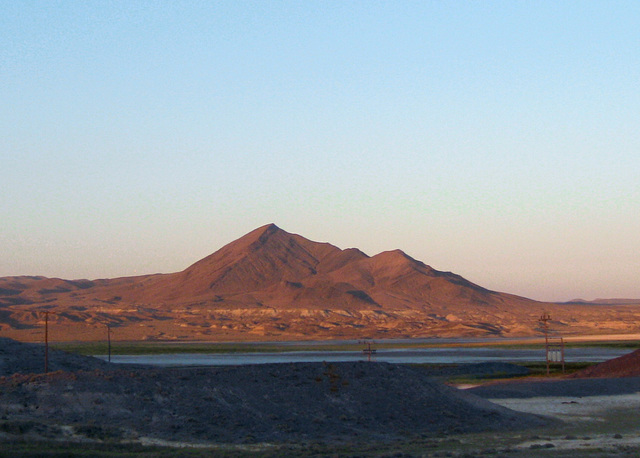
(420,355)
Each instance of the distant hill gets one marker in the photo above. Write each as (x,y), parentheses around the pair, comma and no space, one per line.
(273,285)
(604,302)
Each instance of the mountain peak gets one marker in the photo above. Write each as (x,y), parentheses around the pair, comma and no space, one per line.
(262,232)
(263,257)
(252,240)
(271,227)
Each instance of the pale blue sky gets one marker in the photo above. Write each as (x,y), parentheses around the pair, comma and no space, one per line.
(497,140)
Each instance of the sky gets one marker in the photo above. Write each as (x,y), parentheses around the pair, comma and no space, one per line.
(498,140)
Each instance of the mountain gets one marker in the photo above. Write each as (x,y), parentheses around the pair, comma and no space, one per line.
(271,284)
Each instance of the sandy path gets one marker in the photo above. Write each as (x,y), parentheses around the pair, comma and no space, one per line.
(608,423)
(567,408)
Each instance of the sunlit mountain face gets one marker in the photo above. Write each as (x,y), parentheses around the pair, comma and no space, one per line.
(273,285)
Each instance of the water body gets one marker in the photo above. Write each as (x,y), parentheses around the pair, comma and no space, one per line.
(426,355)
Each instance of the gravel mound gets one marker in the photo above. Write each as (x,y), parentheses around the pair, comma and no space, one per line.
(28,358)
(624,366)
(253,403)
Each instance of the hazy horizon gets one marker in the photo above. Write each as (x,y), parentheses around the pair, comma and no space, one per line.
(494,140)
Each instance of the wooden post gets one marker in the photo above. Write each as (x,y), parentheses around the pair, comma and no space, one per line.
(109,340)
(369,351)
(46,341)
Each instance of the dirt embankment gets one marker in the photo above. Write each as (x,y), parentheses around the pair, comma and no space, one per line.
(624,366)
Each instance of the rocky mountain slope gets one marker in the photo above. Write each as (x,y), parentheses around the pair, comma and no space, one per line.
(274,285)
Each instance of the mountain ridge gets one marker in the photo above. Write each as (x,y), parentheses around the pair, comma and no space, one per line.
(271,284)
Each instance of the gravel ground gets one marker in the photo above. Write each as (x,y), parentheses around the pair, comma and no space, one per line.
(559,387)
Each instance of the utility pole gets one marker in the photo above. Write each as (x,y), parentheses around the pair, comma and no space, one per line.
(545,318)
(109,340)
(46,341)
(369,351)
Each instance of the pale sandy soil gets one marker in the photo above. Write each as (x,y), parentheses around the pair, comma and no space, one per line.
(573,409)
(593,424)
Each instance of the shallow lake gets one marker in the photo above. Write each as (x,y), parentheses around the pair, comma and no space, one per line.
(420,355)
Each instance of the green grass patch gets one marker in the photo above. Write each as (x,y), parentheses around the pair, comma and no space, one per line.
(159,347)
(555,370)
(536,369)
